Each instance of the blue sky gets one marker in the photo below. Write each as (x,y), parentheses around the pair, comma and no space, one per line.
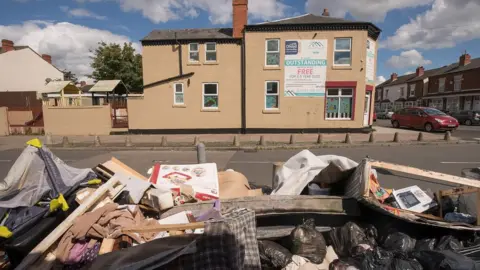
(432,33)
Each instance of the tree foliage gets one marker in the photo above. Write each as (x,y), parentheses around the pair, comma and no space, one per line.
(70,76)
(114,62)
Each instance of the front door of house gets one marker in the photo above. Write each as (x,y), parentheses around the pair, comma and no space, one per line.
(366,112)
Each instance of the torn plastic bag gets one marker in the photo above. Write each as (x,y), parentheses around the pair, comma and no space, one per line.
(398,241)
(426,244)
(307,242)
(443,260)
(273,254)
(347,237)
(449,242)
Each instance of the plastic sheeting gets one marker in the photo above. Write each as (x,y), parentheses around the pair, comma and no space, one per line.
(29,179)
(302,168)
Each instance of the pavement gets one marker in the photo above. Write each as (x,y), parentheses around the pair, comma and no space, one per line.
(257,165)
(468,133)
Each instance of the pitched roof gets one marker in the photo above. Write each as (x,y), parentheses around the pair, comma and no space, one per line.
(107,86)
(189,34)
(399,80)
(86,88)
(15,48)
(58,86)
(307,19)
(455,67)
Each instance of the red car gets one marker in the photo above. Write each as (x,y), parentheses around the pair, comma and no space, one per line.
(428,119)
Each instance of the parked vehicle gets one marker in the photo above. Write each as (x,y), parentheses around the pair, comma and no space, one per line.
(467,117)
(428,119)
(385,114)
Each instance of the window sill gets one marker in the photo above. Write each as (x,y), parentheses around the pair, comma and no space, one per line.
(211,63)
(272,111)
(179,106)
(194,64)
(338,119)
(272,68)
(342,67)
(210,110)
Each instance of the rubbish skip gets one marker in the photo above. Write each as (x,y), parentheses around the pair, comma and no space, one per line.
(192,216)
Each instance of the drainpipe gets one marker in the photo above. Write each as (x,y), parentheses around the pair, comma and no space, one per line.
(243,85)
(179,54)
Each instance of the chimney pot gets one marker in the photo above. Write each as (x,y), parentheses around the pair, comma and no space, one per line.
(240,17)
(47,58)
(7,45)
(326,13)
(465,59)
(83,83)
(394,76)
(420,71)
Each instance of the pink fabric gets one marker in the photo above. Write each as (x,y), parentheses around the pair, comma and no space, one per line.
(77,252)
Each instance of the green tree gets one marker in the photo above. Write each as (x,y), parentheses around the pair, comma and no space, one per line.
(70,76)
(114,62)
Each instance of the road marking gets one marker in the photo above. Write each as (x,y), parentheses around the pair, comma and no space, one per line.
(460,162)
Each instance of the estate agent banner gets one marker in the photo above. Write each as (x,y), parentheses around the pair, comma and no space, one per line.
(370,66)
(305,68)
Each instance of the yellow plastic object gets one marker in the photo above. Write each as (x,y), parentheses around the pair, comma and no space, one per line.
(94,182)
(57,203)
(35,143)
(5,232)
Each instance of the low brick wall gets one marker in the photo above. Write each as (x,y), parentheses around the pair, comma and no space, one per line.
(19,118)
(4,128)
(82,120)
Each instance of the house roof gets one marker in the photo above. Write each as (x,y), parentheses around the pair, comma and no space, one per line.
(455,67)
(86,88)
(58,86)
(190,34)
(399,80)
(107,86)
(306,19)
(15,48)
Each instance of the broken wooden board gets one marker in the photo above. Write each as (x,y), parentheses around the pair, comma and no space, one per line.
(116,165)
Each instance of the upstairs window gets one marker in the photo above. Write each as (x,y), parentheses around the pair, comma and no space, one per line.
(194,56)
(441,85)
(342,55)
(272,51)
(457,83)
(402,91)
(178,94)
(412,90)
(210,95)
(211,52)
(386,94)
(271,95)
(339,104)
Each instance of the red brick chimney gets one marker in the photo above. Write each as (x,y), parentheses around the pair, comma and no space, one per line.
(465,59)
(83,83)
(325,12)
(393,77)
(240,17)
(7,45)
(420,71)
(47,58)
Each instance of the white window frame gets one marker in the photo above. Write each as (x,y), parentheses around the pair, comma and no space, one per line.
(267,52)
(190,51)
(386,93)
(340,95)
(441,82)
(457,83)
(277,94)
(335,50)
(412,89)
(175,93)
(204,95)
(207,51)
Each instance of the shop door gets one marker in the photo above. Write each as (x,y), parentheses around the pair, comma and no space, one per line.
(476,103)
(366,113)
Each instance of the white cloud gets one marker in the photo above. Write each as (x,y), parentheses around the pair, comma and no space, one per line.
(409,72)
(407,59)
(68,44)
(370,10)
(219,11)
(446,24)
(380,79)
(81,13)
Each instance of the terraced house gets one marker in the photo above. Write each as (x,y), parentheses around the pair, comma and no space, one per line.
(307,73)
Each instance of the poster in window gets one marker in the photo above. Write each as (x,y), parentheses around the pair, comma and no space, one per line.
(370,62)
(305,68)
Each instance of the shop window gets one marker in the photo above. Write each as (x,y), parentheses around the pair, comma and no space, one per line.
(457,83)
(343,52)
(211,52)
(178,94)
(339,104)
(271,95)
(272,51)
(441,85)
(412,90)
(194,56)
(210,95)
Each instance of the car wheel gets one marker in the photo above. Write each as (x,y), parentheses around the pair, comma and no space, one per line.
(395,124)
(428,127)
(468,122)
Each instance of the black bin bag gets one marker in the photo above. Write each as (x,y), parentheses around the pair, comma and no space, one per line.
(443,260)
(399,242)
(344,239)
(307,242)
(273,254)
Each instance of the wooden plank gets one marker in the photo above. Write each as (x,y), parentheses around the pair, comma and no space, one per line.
(478,208)
(48,241)
(107,246)
(166,227)
(116,165)
(440,177)
(458,191)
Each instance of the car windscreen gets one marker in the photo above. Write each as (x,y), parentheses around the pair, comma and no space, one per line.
(430,111)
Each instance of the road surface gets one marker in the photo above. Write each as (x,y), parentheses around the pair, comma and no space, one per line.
(257,166)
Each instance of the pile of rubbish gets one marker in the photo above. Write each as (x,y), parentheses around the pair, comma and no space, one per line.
(322,212)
